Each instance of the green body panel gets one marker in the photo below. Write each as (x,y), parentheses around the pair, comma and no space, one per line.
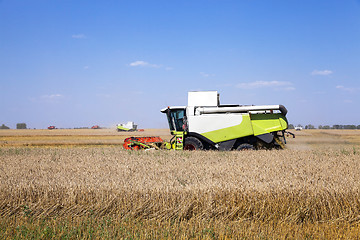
(267,123)
(255,124)
(242,130)
(122,128)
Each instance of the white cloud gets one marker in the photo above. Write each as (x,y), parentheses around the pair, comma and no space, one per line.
(79,36)
(262,84)
(86,67)
(144,64)
(322,72)
(52,96)
(141,63)
(138,63)
(340,87)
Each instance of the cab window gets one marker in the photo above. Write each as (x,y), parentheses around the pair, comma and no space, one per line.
(176,119)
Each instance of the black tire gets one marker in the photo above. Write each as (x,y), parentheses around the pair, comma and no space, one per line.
(245,147)
(192,144)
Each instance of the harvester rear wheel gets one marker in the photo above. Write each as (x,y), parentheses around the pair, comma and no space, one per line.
(245,147)
(192,143)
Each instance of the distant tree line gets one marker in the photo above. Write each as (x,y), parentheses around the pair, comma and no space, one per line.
(336,126)
(4,127)
(21,126)
(340,127)
(18,126)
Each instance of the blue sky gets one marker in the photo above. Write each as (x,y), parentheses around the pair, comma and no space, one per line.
(80,63)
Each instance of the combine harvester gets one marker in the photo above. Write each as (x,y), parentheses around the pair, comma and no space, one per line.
(126,127)
(206,125)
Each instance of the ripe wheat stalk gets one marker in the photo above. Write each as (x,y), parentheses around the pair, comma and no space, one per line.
(286,186)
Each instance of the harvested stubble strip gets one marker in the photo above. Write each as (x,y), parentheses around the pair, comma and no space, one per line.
(292,207)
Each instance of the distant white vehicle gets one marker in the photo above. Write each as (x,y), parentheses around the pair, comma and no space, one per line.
(298,128)
(126,127)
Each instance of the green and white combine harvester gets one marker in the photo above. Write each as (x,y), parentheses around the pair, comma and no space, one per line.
(205,124)
(127,127)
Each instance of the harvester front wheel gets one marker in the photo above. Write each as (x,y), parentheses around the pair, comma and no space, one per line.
(245,147)
(192,143)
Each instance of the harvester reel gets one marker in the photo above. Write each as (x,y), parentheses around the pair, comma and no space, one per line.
(137,143)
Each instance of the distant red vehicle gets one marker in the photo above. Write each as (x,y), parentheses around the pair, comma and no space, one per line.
(51,127)
(95,127)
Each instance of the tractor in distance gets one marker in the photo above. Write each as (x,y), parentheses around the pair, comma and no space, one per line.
(206,124)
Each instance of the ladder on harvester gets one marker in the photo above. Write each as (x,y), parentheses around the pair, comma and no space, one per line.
(179,141)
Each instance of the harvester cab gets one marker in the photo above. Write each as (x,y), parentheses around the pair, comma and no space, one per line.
(176,118)
(178,125)
(205,124)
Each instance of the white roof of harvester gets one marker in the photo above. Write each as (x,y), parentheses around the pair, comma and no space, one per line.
(208,102)
(240,109)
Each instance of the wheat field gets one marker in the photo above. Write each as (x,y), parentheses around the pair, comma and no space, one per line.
(66,190)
